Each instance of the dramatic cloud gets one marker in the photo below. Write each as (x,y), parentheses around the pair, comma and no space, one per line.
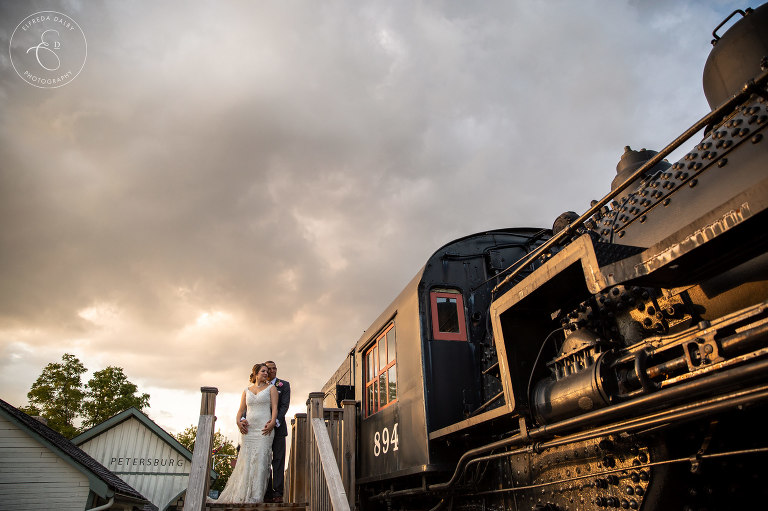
(230,182)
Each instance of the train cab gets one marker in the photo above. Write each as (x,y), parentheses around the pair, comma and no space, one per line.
(418,368)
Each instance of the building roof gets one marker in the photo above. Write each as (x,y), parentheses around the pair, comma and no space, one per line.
(141,417)
(103,482)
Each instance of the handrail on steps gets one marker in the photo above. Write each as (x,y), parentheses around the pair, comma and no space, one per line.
(321,468)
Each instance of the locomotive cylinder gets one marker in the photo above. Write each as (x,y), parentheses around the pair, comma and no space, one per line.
(572,395)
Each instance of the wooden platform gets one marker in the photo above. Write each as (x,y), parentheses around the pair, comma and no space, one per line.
(280,506)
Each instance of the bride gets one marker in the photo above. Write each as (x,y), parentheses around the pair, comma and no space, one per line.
(248,481)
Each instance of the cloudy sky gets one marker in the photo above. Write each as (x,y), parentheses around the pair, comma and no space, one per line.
(227,182)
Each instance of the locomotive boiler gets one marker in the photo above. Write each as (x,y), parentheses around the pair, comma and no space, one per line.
(618,360)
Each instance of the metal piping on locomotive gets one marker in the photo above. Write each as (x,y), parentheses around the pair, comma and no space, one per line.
(649,402)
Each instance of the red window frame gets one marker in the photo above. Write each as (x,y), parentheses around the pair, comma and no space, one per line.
(461,335)
(374,370)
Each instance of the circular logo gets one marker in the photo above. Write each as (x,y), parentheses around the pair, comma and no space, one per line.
(48,49)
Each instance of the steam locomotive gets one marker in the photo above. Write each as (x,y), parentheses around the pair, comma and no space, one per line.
(617,360)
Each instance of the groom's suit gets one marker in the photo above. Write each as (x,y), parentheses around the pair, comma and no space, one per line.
(275,483)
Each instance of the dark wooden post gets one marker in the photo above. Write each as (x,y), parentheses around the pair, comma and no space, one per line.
(199,474)
(350,442)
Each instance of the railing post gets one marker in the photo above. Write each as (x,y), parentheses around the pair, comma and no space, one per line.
(315,481)
(301,463)
(290,477)
(199,474)
(350,442)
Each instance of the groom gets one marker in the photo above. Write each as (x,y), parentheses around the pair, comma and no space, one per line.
(275,483)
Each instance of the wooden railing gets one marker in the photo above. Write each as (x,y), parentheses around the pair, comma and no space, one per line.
(321,466)
(199,474)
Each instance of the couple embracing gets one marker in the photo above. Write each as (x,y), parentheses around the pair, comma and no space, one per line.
(261,420)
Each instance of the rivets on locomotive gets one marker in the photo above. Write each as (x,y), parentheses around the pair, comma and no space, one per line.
(667,201)
(757,138)
(643,219)
(722,163)
(762,119)
(693,183)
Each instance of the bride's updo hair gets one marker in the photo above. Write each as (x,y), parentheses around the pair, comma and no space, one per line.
(254,372)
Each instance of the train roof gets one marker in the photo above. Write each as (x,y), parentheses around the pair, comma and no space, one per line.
(455,246)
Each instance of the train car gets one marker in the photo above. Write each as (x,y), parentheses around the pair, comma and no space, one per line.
(618,360)
(419,366)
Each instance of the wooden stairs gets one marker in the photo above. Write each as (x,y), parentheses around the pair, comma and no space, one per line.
(281,506)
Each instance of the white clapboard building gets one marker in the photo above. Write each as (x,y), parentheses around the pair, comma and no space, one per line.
(42,470)
(144,455)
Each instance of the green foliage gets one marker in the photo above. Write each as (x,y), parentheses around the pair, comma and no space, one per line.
(57,394)
(31,410)
(108,393)
(223,454)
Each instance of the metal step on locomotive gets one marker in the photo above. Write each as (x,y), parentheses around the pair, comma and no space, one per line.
(618,360)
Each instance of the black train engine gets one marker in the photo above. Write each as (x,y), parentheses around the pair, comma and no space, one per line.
(625,363)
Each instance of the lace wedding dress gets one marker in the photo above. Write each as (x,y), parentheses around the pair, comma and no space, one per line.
(248,481)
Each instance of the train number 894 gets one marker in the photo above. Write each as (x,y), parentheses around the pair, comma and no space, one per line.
(383,441)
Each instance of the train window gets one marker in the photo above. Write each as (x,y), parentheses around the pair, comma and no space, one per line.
(380,372)
(371,365)
(392,383)
(448,316)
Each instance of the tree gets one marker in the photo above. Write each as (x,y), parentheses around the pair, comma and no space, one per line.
(224,453)
(108,393)
(57,394)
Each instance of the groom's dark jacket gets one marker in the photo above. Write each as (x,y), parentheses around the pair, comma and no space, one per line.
(283,402)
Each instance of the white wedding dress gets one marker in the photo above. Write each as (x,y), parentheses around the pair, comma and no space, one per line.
(248,481)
